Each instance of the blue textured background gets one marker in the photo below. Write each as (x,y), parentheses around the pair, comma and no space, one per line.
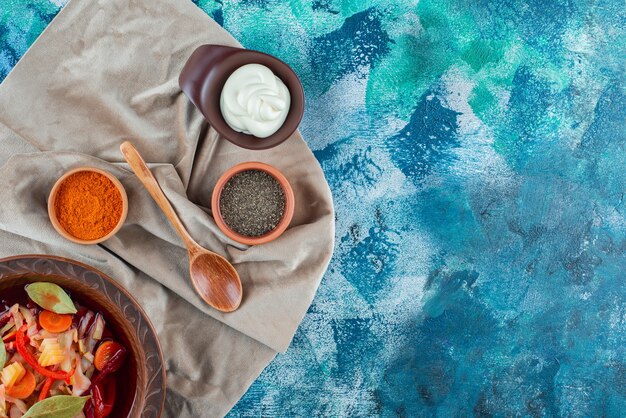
(476,152)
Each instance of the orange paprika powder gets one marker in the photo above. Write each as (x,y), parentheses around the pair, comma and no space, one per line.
(88,205)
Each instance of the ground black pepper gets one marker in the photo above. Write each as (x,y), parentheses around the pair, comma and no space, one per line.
(252,203)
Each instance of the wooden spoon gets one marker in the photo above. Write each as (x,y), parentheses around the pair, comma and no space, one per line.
(213,277)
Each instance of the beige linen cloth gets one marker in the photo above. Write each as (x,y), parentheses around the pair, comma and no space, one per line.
(106,71)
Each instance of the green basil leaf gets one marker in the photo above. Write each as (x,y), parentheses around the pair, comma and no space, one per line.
(3,355)
(51,297)
(61,406)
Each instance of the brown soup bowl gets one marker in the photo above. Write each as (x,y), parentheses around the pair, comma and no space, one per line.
(141,386)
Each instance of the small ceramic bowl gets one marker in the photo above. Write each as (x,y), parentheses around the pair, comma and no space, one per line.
(287,214)
(141,392)
(205,74)
(52,199)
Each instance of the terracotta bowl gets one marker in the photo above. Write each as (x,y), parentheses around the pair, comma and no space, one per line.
(141,392)
(52,199)
(205,74)
(287,214)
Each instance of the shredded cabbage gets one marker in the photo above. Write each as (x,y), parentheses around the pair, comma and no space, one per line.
(84,322)
(65,341)
(12,373)
(21,406)
(80,382)
(98,328)
(17,316)
(27,314)
(15,412)
(7,327)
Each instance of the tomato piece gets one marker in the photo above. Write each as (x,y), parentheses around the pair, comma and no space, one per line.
(109,357)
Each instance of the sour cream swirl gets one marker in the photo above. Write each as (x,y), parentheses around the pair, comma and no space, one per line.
(254,101)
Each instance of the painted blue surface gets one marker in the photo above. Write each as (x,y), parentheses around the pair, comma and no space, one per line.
(476,152)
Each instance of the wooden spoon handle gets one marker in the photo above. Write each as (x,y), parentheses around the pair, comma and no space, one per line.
(146,177)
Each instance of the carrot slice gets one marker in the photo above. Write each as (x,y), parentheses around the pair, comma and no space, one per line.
(54,322)
(24,387)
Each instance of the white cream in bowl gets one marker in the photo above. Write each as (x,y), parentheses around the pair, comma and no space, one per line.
(254,101)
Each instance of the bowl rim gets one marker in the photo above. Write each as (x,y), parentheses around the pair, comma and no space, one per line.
(284,222)
(52,199)
(22,257)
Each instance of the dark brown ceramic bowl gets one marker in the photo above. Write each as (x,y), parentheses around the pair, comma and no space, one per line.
(141,391)
(205,74)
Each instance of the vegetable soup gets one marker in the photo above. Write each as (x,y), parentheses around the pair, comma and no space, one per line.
(61,356)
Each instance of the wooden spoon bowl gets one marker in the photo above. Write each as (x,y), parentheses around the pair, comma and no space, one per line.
(209,272)
(213,277)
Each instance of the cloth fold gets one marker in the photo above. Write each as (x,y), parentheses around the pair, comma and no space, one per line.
(104,72)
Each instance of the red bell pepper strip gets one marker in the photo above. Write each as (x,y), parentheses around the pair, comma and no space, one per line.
(20,342)
(45,388)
